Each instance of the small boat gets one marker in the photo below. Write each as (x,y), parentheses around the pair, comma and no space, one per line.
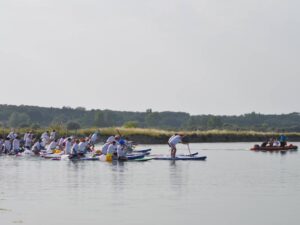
(274,148)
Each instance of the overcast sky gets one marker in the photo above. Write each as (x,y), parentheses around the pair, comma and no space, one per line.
(198,56)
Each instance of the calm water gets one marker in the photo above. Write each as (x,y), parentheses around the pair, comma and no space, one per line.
(234,186)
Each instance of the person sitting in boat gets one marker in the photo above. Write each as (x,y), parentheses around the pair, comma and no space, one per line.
(52,147)
(28,141)
(45,138)
(115,138)
(68,146)
(93,139)
(122,150)
(271,142)
(82,147)
(264,144)
(12,135)
(53,135)
(37,147)
(1,144)
(173,141)
(75,149)
(7,145)
(276,143)
(282,140)
(15,146)
(112,150)
(105,148)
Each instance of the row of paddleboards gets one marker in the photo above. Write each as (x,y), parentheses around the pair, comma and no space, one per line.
(139,155)
(136,155)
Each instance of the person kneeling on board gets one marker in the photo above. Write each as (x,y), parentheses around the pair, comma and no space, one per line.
(122,150)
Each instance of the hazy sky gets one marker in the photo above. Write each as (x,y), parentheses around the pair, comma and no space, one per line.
(197,56)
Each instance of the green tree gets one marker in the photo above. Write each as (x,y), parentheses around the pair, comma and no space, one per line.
(99,119)
(16,119)
(73,126)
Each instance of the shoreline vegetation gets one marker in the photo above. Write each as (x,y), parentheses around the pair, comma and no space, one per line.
(157,136)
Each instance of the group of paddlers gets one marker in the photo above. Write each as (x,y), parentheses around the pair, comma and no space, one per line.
(273,142)
(49,143)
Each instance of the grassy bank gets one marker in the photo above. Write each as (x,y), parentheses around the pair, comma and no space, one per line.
(154,136)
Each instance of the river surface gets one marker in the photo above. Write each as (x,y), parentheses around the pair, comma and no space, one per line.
(234,186)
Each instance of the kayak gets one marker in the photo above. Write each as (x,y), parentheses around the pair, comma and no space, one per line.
(273,148)
(192,158)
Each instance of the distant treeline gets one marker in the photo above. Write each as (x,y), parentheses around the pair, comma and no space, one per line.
(76,118)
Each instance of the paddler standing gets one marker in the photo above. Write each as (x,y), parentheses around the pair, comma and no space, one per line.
(173,141)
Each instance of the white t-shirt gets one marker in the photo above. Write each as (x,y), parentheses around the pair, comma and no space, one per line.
(110,139)
(7,145)
(75,148)
(112,149)
(28,142)
(51,147)
(121,151)
(175,140)
(37,145)
(25,136)
(171,138)
(16,144)
(82,146)
(12,135)
(52,135)
(61,141)
(104,148)
(68,147)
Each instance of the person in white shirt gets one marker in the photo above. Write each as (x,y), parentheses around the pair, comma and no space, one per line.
(12,135)
(82,146)
(52,147)
(53,135)
(112,149)
(1,144)
(104,148)
(74,150)
(16,145)
(121,150)
(7,145)
(94,138)
(61,143)
(68,146)
(28,142)
(113,138)
(173,141)
(25,136)
(37,147)
(45,138)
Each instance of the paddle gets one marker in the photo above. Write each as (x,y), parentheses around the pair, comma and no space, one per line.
(189,149)
(119,133)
